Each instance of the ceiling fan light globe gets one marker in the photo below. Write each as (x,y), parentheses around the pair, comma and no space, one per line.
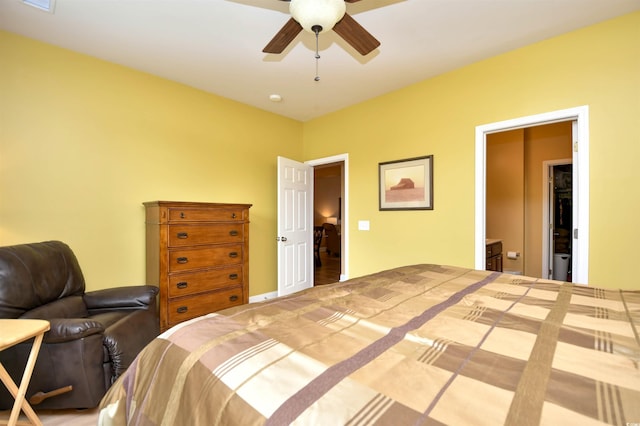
(325,13)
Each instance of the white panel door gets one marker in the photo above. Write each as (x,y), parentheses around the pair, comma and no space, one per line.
(295,222)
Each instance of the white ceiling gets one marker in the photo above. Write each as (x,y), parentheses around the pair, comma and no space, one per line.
(216,45)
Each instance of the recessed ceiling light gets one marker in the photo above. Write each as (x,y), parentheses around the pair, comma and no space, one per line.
(275,98)
(46,5)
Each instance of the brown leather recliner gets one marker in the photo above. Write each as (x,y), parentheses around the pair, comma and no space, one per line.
(94,336)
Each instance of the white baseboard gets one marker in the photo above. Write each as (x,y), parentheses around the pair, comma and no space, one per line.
(264,296)
(274,294)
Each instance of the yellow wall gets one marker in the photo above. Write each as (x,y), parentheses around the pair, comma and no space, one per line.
(597,66)
(84,142)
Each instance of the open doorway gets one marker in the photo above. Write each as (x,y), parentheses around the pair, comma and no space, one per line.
(558,205)
(517,205)
(331,177)
(327,222)
(579,117)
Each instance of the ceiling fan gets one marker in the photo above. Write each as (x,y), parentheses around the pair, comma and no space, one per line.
(318,16)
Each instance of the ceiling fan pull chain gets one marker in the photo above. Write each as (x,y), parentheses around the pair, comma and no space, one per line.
(316,29)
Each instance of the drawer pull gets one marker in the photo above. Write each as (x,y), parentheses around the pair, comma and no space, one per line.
(233,254)
(182,215)
(233,233)
(233,276)
(233,215)
(233,298)
(183,235)
(182,260)
(182,309)
(182,284)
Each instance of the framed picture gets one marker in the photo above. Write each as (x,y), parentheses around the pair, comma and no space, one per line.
(406,184)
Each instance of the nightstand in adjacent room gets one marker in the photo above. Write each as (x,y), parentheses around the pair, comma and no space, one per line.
(14,331)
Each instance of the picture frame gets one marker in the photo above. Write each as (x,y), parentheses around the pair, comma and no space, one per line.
(406,184)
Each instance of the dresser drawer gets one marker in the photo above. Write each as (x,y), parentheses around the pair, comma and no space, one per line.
(199,258)
(191,235)
(185,284)
(494,249)
(206,215)
(194,306)
(494,263)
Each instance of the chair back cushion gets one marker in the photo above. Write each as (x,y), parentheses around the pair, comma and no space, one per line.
(33,275)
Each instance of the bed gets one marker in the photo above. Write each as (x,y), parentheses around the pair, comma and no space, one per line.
(420,344)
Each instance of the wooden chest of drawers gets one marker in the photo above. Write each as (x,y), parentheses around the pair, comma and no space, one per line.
(198,256)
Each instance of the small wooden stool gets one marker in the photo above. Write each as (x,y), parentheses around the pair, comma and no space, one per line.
(12,332)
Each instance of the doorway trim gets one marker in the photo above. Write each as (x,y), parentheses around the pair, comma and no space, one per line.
(340,158)
(580,115)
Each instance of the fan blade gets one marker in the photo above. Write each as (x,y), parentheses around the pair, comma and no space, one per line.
(355,34)
(285,36)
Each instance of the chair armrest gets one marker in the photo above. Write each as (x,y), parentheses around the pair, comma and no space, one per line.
(68,329)
(121,298)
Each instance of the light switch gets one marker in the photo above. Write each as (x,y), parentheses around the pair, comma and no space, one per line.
(363,225)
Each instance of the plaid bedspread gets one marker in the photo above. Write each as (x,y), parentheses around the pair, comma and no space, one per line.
(422,344)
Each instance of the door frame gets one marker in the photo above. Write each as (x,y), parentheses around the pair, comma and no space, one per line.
(344,253)
(547,193)
(580,261)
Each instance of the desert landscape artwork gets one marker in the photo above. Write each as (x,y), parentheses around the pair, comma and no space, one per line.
(406,184)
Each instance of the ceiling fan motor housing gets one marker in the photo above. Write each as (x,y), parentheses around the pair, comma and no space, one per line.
(313,13)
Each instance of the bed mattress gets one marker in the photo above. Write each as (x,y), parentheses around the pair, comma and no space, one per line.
(421,344)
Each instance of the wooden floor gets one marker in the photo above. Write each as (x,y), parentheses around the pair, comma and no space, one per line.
(328,273)
(59,417)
